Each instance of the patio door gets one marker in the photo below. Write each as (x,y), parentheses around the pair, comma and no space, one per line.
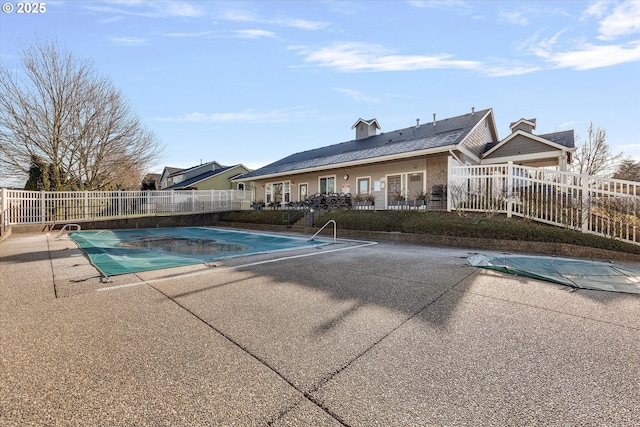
(303,190)
(415,185)
(394,187)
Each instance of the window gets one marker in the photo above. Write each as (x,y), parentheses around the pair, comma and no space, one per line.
(278,192)
(241,186)
(364,185)
(303,190)
(328,184)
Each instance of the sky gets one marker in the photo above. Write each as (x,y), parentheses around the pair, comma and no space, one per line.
(251,82)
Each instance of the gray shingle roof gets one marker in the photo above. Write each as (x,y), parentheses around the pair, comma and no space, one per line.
(198,178)
(564,138)
(445,133)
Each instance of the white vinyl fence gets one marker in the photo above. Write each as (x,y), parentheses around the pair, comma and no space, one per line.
(603,206)
(46,207)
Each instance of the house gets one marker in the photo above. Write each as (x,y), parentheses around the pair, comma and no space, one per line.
(164,177)
(404,163)
(151,181)
(207,176)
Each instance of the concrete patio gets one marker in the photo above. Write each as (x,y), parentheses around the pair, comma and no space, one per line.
(355,334)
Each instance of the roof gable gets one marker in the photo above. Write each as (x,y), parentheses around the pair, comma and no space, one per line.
(557,141)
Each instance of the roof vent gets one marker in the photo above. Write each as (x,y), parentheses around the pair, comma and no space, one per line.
(473,111)
(525,125)
(434,119)
(365,128)
(418,122)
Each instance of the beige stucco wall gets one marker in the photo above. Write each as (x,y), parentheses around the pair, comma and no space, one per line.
(433,168)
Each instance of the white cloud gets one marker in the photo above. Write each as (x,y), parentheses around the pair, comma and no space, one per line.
(128,41)
(302,24)
(198,34)
(439,4)
(597,9)
(253,34)
(509,69)
(591,56)
(149,9)
(624,20)
(236,15)
(180,8)
(358,96)
(239,16)
(354,57)
(249,115)
(513,17)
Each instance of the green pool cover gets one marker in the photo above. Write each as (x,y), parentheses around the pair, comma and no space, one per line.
(116,252)
(570,272)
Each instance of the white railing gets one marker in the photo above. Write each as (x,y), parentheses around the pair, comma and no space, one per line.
(604,206)
(45,207)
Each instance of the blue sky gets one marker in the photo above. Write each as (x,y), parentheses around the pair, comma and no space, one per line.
(253,81)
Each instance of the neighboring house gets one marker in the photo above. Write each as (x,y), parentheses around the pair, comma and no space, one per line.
(207,176)
(164,178)
(151,181)
(405,162)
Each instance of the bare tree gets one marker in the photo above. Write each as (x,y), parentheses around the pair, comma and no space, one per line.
(594,156)
(56,108)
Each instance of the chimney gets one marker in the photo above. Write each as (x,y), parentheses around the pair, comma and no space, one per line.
(418,122)
(434,119)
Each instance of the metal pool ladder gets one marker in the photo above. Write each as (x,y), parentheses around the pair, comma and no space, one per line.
(335,230)
(68,227)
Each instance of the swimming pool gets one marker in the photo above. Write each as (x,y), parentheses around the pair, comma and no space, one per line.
(116,252)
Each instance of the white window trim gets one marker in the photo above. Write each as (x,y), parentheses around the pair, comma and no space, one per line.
(335,182)
(359,178)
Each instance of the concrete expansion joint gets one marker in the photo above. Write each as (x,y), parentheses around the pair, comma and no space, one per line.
(262,361)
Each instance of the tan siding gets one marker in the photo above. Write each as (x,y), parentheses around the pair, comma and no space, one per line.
(478,139)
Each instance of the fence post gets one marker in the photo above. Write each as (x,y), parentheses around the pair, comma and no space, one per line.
(43,213)
(86,205)
(5,202)
(449,182)
(4,213)
(509,189)
(586,202)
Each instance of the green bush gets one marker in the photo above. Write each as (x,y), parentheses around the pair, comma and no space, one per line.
(445,224)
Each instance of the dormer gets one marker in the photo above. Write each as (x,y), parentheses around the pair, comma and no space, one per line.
(366,128)
(525,125)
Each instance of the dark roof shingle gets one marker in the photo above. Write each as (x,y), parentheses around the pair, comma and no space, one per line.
(445,133)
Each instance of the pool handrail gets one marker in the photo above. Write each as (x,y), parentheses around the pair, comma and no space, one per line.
(335,230)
